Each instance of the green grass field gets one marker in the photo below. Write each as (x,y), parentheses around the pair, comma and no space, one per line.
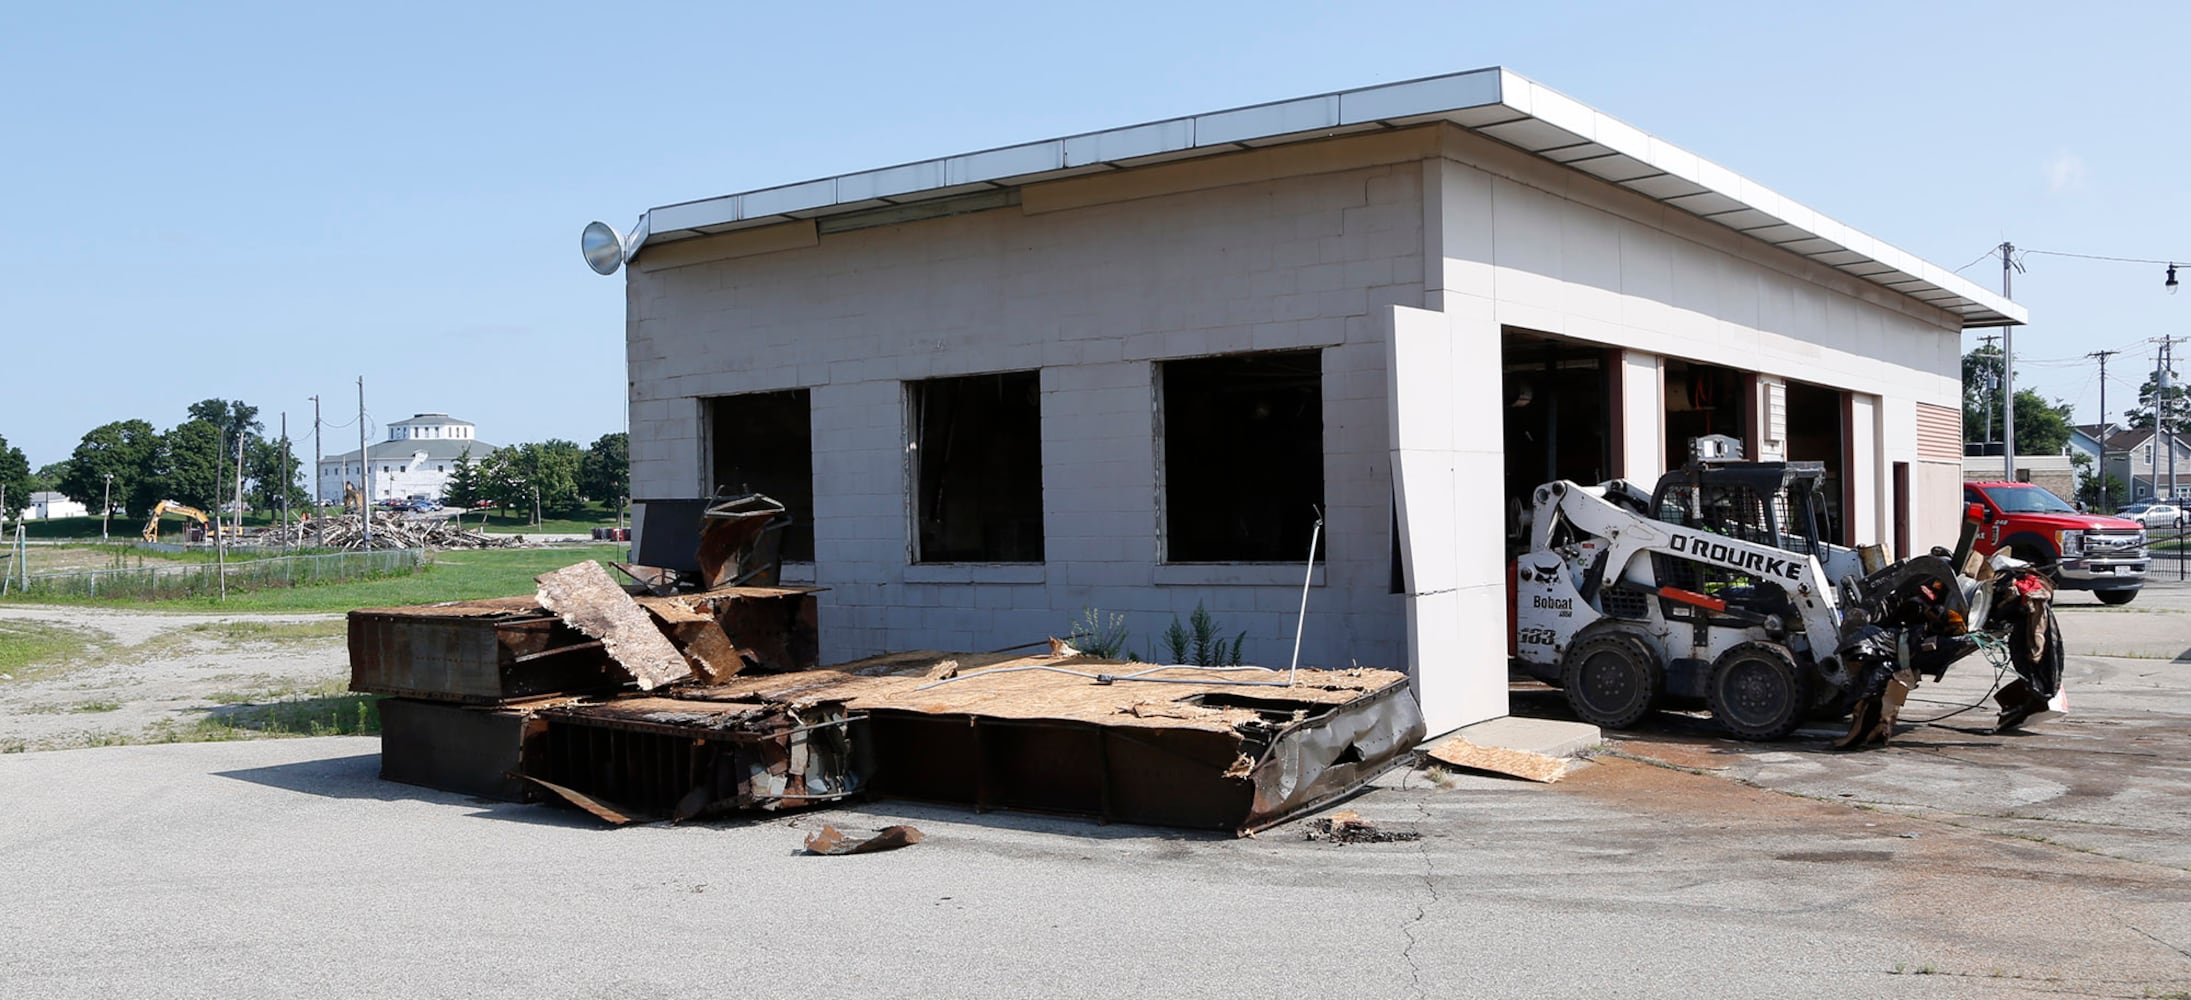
(456,575)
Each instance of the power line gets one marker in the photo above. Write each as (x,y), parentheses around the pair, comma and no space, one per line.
(2098,256)
(1989,252)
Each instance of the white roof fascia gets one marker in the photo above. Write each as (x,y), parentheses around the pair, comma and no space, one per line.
(1498,103)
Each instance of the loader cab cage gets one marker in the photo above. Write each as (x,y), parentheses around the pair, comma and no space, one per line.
(1775,504)
(1770,503)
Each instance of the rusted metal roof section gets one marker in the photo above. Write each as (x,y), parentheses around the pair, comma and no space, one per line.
(699,636)
(770,628)
(589,601)
(460,748)
(669,759)
(479,652)
(1208,753)
(761,729)
(741,541)
(830,840)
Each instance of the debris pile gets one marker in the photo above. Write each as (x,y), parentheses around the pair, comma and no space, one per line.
(697,691)
(390,531)
(1348,827)
(647,702)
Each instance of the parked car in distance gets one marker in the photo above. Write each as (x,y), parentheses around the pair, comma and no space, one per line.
(2155,515)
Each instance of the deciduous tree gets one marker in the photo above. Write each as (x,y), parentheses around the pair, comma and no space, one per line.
(127,450)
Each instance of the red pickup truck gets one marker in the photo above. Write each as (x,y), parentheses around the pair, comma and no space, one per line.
(2105,555)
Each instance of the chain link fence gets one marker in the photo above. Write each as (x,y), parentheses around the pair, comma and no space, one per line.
(155,583)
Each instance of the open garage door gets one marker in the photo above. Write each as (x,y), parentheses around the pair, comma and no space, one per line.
(1818,431)
(1560,398)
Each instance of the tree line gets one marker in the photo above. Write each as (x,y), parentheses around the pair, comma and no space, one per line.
(564,474)
(134,465)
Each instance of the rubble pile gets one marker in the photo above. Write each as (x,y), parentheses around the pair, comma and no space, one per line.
(390,531)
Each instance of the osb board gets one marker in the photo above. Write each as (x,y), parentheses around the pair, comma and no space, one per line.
(1500,760)
(893,683)
(590,602)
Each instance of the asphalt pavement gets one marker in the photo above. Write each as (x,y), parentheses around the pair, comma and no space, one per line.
(1952,864)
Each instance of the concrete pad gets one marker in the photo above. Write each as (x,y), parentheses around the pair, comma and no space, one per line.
(1550,737)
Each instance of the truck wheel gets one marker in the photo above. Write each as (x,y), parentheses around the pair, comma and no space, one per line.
(2117,596)
(1612,679)
(1757,691)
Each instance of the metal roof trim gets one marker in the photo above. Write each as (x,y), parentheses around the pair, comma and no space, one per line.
(1495,102)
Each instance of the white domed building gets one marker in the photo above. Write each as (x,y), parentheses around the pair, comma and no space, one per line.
(416,459)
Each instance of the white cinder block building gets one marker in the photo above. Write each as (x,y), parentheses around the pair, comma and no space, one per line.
(415,459)
(1122,370)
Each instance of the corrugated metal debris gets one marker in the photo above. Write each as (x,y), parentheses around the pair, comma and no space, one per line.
(830,840)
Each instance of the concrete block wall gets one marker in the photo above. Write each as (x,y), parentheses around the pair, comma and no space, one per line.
(1095,296)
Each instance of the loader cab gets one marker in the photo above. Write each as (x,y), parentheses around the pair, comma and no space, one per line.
(1781,504)
(1775,504)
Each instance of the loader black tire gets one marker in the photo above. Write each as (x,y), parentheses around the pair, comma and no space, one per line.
(1611,678)
(1757,691)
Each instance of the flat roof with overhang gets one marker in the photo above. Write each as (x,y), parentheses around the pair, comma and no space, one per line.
(1496,103)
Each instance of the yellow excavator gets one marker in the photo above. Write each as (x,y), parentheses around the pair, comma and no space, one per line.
(205,523)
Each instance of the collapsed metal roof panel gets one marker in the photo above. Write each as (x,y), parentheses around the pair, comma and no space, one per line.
(1495,102)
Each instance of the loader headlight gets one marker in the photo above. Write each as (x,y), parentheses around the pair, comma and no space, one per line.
(2071,542)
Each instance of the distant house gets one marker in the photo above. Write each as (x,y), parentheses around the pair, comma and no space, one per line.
(415,459)
(2086,440)
(2140,459)
(46,505)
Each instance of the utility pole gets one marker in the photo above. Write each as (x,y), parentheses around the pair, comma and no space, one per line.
(1991,385)
(2008,374)
(289,479)
(220,551)
(106,506)
(319,531)
(239,484)
(365,465)
(2162,426)
(2105,425)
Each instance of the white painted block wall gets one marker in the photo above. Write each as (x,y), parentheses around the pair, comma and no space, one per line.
(1095,298)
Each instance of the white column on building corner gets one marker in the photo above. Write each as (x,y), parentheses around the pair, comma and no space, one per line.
(1642,445)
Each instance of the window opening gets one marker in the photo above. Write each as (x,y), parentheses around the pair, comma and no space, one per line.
(1243,456)
(977,468)
(763,443)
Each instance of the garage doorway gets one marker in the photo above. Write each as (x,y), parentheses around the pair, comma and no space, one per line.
(1560,402)
(1818,431)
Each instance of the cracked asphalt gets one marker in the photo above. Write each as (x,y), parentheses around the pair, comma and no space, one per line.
(1955,863)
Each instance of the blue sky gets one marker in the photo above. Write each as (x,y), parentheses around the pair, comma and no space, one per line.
(264,202)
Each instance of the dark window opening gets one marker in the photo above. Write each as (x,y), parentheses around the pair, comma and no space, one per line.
(977,468)
(763,443)
(1705,399)
(1243,456)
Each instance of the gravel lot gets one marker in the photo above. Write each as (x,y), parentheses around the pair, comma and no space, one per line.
(145,670)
